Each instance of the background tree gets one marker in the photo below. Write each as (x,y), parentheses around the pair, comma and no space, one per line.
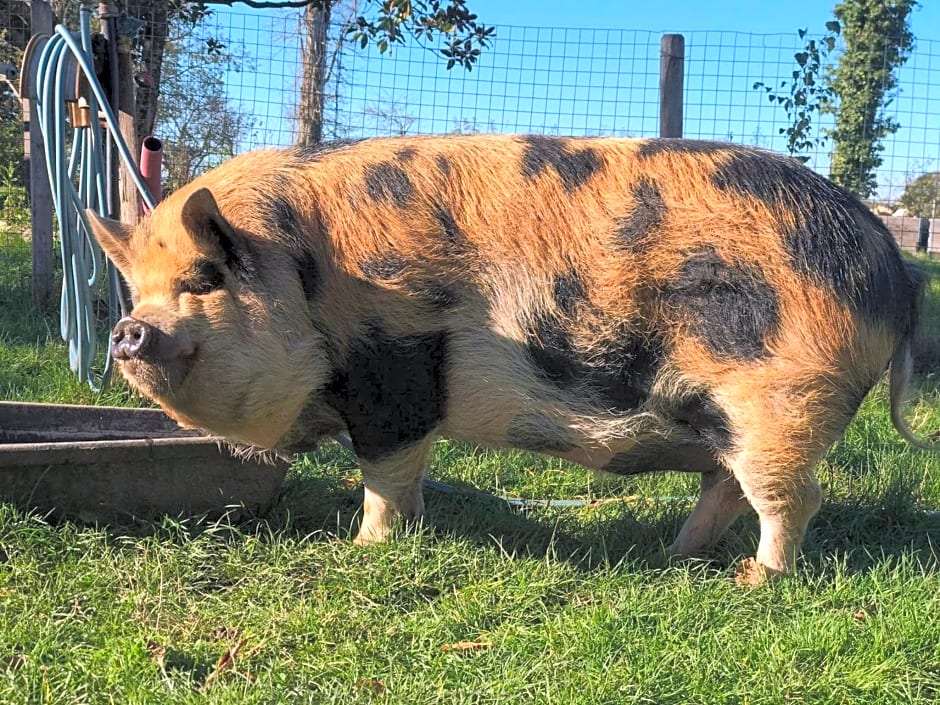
(14,15)
(383,23)
(197,123)
(149,51)
(323,37)
(315,73)
(921,196)
(391,116)
(805,94)
(878,41)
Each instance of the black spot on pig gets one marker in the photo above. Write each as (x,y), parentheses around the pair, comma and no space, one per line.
(309,275)
(619,374)
(831,238)
(283,216)
(455,239)
(731,308)
(384,268)
(569,293)
(676,145)
(627,370)
(575,167)
(443,164)
(441,297)
(391,392)
(638,230)
(313,152)
(706,418)
(551,350)
(388,182)
(682,452)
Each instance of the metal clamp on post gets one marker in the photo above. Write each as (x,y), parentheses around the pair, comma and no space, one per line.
(79,113)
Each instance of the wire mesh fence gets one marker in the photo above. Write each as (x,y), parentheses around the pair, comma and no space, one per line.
(552,80)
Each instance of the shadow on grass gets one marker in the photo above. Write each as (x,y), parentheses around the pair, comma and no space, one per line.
(324,506)
(866,533)
(320,503)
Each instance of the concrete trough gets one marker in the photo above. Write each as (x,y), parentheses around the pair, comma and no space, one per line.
(107,463)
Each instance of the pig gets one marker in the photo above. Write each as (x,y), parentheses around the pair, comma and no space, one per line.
(631,305)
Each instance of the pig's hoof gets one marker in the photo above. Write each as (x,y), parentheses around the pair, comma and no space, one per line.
(371,537)
(751,574)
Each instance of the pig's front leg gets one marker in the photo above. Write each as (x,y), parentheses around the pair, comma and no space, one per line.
(393,489)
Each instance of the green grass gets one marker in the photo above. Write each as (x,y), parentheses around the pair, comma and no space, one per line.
(33,360)
(568,605)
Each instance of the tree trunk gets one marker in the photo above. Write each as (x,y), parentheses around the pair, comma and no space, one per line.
(155,14)
(313,80)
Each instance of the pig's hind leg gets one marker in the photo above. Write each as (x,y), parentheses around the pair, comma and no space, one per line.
(779,439)
(785,503)
(720,503)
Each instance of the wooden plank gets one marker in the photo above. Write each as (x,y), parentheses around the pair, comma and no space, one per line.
(130,199)
(40,194)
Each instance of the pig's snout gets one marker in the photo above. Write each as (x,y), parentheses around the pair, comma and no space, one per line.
(134,339)
(131,339)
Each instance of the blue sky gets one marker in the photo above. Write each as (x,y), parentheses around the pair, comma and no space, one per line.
(598,80)
(759,16)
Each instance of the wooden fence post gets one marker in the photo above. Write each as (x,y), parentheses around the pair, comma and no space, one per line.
(42,21)
(130,199)
(671,75)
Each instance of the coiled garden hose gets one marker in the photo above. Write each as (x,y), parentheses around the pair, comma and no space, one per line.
(78,181)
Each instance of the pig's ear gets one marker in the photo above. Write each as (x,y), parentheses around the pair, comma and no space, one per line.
(201,212)
(208,227)
(113,236)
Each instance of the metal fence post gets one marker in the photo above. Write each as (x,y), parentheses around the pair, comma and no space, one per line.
(671,75)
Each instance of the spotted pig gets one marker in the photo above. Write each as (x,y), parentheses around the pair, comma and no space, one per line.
(630,305)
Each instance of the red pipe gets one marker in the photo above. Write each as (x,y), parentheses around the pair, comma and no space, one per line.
(151,161)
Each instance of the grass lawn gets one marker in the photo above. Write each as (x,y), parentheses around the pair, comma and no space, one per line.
(482,604)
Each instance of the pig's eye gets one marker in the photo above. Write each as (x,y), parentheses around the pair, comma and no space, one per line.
(209,277)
